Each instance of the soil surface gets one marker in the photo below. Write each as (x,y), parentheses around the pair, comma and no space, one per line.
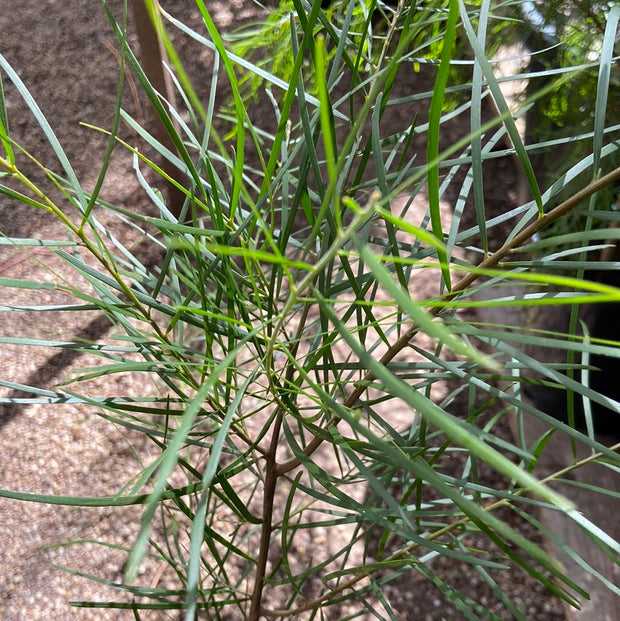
(64,53)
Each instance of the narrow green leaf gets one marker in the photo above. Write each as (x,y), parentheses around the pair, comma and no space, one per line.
(243,119)
(602,89)
(452,427)
(433,135)
(47,130)
(170,457)
(429,325)
(155,12)
(97,501)
(26,284)
(200,518)
(476,141)
(325,112)
(506,116)
(4,127)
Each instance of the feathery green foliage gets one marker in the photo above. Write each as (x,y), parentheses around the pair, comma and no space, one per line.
(291,326)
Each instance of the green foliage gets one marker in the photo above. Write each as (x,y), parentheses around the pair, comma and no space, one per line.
(289,318)
(565,34)
(369,28)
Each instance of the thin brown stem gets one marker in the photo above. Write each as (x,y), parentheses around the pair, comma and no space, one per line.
(466,282)
(271,478)
(324,600)
(153,59)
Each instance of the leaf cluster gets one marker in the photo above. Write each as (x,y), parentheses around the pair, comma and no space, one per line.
(289,324)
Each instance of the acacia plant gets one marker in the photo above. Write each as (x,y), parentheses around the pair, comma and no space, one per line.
(302,313)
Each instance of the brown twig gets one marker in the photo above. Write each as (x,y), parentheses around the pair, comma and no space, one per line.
(153,57)
(271,478)
(324,600)
(466,282)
